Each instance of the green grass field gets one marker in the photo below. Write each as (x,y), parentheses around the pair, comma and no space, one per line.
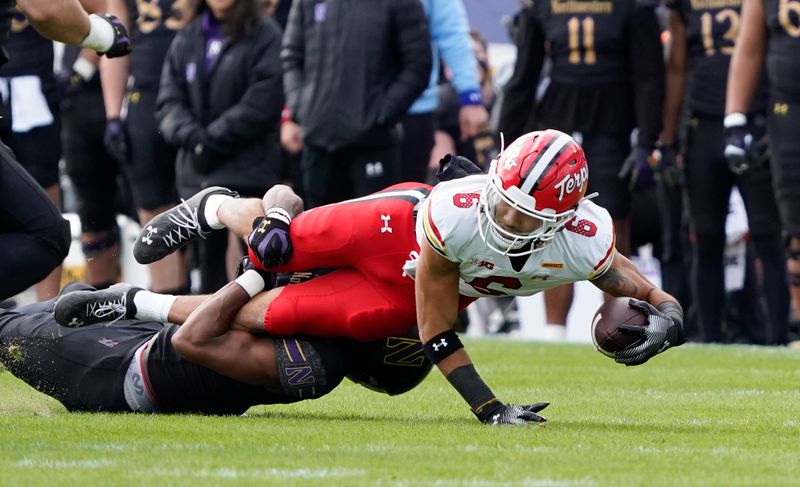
(698,415)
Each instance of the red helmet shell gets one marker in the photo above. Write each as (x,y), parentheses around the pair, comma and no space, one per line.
(549,166)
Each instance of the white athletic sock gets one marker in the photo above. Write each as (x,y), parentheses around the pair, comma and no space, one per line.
(213,203)
(153,306)
(554,332)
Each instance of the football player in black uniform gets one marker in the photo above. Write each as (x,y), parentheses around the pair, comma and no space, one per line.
(130,86)
(31,122)
(607,77)
(135,365)
(33,235)
(771,29)
(702,36)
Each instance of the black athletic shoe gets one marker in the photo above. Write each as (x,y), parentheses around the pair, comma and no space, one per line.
(176,227)
(81,308)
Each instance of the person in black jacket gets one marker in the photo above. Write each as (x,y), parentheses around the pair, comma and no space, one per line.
(220,102)
(607,77)
(352,68)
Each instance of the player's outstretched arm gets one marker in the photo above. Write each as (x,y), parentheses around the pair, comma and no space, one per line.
(206,337)
(437,308)
(66,21)
(664,313)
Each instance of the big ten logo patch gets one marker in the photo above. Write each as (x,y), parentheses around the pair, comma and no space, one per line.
(478,262)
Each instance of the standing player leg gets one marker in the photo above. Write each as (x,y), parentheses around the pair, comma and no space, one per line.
(151,173)
(38,150)
(708,188)
(93,173)
(783,123)
(33,236)
(765,233)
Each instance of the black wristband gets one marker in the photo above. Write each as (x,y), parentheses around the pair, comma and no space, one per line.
(442,346)
(468,383)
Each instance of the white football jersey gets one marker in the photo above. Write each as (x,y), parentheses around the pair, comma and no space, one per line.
(448,221)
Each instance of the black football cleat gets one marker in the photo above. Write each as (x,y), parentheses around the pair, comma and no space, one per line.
(81,308)
(175,228)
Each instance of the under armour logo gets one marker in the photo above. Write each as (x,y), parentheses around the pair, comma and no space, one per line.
(148,239)
(386,228)
(442,343)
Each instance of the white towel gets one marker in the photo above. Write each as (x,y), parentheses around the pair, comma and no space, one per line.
(29,107)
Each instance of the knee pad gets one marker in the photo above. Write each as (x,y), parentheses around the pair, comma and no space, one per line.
(308,368)
(99,245)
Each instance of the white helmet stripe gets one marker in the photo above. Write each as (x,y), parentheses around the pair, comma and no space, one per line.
(544,161)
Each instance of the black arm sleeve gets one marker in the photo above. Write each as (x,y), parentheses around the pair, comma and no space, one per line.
(259,108)
(177,123)
(519,101)
(292,55)
(414,43)
(647,71)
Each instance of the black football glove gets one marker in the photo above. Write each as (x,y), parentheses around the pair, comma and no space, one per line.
(115,140)
(660,333)
(122,42)
(269,240)
(667,163)
(738,143)
(70,83)
(638,169)
(514,414)
(743,150)
(455,167)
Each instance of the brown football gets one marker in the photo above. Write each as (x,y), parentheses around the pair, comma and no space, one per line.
(605,335)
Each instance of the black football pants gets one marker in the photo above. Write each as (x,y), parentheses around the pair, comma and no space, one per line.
(708,186)
(34,238)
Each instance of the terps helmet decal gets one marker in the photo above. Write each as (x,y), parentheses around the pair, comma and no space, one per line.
(542,174)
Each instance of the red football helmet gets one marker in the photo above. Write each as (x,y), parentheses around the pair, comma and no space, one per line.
(543,175)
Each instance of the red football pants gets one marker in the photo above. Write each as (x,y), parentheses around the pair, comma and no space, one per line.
(368,239)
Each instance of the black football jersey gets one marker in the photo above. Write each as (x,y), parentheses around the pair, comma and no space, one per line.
(711,29)
(584,39)
(783,48)
(29,53)
(182,386)
(607,66)
(153,24)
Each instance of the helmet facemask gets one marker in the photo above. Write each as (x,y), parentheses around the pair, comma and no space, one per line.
(507,242)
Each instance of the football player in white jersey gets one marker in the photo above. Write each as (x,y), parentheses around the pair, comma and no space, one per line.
(524,227)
